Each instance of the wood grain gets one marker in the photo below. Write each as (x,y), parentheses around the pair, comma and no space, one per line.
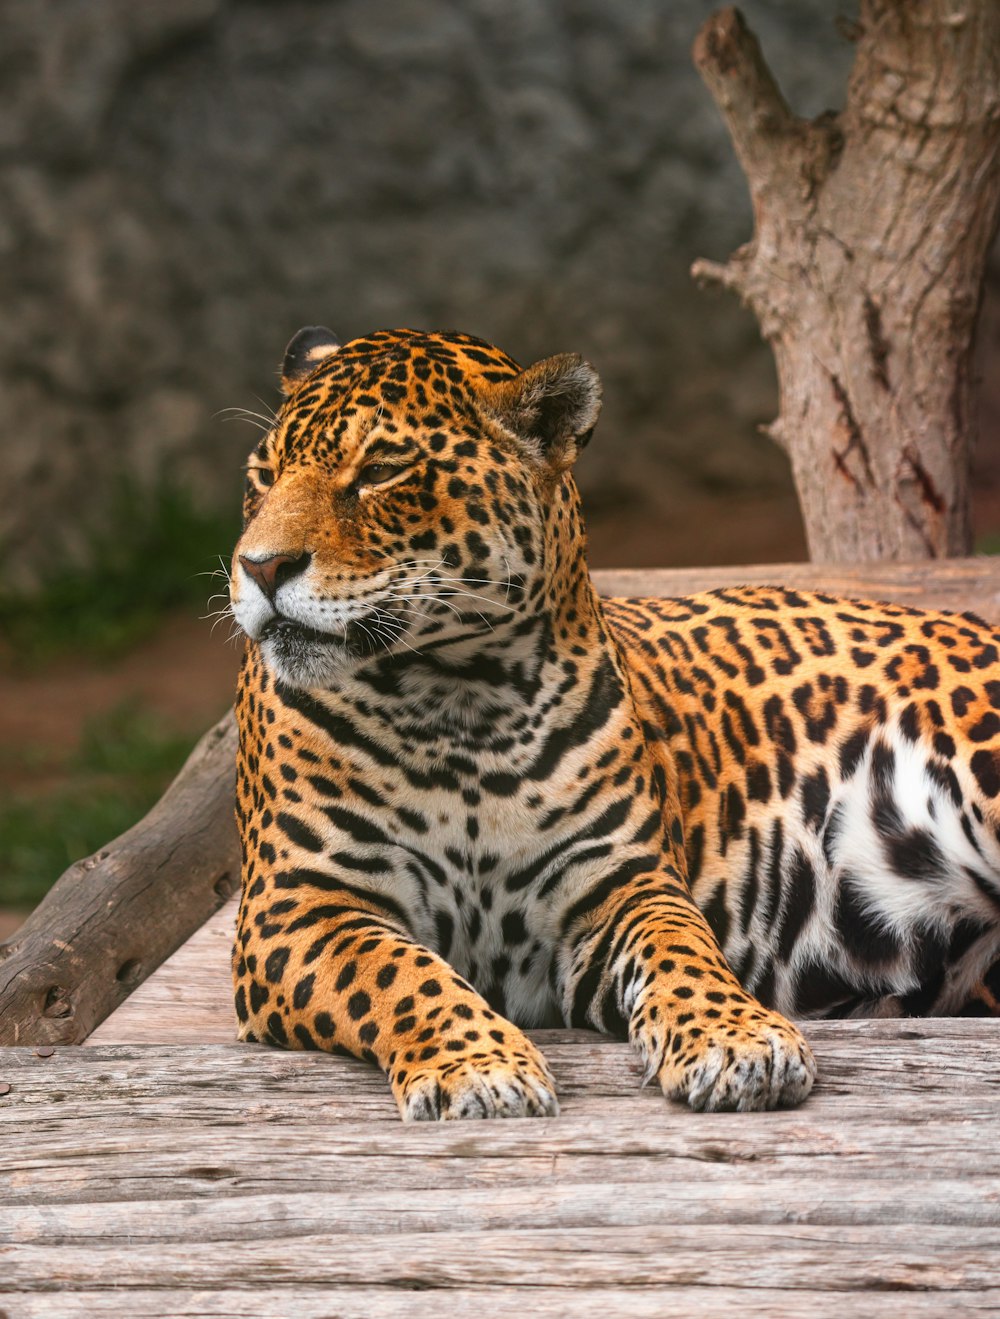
(536,1302)
(187,1000)
(953,585)
(705,1256)
(238,1180)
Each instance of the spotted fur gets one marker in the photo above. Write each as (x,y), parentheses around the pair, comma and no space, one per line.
(474,799)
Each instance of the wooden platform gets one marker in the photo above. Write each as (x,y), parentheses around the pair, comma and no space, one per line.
(167,1171)
(188,1000)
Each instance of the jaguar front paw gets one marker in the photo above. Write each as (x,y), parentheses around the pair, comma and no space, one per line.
(753,1062)
(510,1081)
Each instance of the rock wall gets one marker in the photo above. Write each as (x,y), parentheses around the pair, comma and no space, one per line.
(185,182)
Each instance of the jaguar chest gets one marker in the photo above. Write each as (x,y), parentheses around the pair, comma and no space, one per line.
(480,880)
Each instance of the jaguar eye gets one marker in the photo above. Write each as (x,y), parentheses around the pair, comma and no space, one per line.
(379,473)
(262,475)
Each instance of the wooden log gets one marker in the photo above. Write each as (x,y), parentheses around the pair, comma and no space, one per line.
(114,917)
(952,585)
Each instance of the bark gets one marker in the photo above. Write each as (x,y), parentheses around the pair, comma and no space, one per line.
(865,271)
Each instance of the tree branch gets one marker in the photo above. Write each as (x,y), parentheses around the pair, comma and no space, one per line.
(729,275)
(767,136)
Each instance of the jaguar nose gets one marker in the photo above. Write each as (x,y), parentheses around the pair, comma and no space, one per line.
(275,570)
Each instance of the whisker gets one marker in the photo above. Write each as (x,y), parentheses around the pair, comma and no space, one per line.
(471,595)
(432,598)
(459,614)
(216,614)
(268,409)
(258,425)
(385,618)
(481,581)
(245,414)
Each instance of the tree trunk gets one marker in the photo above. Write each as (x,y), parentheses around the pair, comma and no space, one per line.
(866,266)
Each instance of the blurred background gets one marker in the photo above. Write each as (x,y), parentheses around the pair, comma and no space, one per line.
(183,183)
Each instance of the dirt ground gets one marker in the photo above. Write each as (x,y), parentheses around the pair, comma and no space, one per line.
(184,674)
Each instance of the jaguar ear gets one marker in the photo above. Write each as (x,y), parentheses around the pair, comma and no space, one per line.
(304,353)
(553,405)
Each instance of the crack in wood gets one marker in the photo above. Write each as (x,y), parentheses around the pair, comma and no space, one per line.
(878,345)
(914,522)
(929,492)
(855,439)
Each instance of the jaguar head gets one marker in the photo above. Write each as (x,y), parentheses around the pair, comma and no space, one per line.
(412,496)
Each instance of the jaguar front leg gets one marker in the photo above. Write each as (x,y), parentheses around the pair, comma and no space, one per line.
(341,971)
(644,960)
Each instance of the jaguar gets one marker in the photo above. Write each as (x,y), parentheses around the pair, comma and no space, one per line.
(475,799)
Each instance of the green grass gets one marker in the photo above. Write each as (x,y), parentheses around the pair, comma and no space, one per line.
(123,763)
(158,552)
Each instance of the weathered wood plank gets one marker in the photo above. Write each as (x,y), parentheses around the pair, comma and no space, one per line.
(344,1119)
(348,1194)
(604,1120)
(839,1259)
(189,999)
(207,1161)
(911,1100)
(881,1069)
(211,1180)
(432,1195)
(528,1302)
(210,1162)
(948,584)
(207,1155)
